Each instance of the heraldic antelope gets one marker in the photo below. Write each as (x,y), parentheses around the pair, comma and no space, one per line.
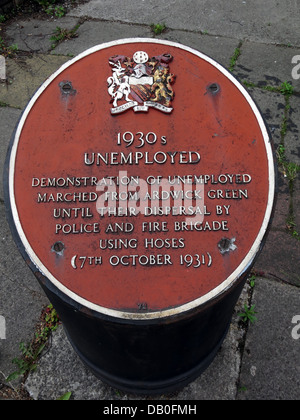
(118,84)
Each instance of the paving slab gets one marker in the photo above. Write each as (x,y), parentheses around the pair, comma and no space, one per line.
(9,118)
(33,35)
(271,360)
(292,138)
(266,65)
(296,203)
(280,258)
(93,33)
(21,299)
(269,21)
(279,222)
(271,105)
(221,49)
(25,75)
(218,382)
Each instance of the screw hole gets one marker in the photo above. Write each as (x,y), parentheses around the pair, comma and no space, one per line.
(66,88)
(225,245)
(214,88)
(58,247)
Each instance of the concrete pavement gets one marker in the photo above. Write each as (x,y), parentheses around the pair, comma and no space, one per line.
(259,41)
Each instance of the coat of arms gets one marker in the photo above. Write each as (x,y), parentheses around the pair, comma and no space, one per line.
(141,82)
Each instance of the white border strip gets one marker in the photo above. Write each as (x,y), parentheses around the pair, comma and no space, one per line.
(213,293)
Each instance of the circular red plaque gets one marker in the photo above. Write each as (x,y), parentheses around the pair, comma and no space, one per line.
(141,179)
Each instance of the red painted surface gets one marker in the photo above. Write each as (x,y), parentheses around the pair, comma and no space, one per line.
(61,128)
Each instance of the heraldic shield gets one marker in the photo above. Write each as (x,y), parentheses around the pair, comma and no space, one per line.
(141,83)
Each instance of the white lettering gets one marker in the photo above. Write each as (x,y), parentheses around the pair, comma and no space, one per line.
(296,330)
(172,409)
(2,328)
(296,69)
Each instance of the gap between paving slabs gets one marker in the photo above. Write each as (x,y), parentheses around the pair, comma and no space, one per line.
(30,65)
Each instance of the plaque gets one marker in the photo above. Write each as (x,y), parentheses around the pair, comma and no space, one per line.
(141,179)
